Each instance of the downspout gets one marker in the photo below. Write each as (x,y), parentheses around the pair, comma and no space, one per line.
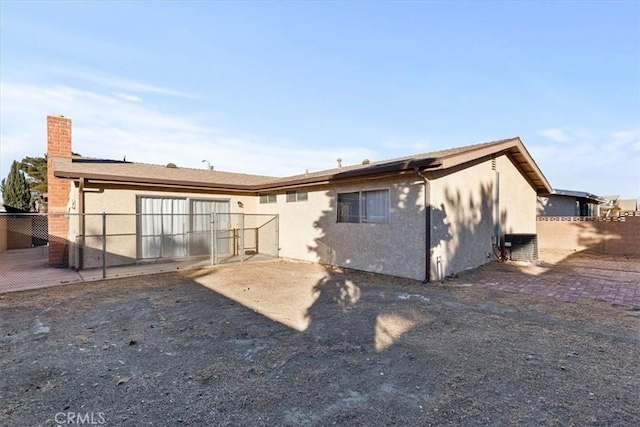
(427,227)
(82,224)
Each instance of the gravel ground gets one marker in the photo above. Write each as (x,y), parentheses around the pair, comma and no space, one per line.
(301,345)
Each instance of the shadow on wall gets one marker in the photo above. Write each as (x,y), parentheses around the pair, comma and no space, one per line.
(462,230)
(548,206)
(397,246)
(21,231)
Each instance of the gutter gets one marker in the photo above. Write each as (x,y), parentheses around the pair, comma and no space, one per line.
(427,227)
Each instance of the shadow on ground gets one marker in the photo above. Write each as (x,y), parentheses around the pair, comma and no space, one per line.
(358,349)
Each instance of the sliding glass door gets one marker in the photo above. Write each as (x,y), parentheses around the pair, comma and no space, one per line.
(178,227)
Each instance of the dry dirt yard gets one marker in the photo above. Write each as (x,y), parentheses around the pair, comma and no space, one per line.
(301,345)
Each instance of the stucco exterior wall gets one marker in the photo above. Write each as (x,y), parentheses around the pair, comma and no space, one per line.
(309,230)
(558,206)
(469,205)
(117,200)
(517,199)
(462,221)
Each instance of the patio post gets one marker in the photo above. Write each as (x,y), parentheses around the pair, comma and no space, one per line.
(277,235)
(104,245)
(241,227)
(212,249)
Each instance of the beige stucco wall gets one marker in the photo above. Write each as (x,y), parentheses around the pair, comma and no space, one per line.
(309,229)
(465,205)
(113,200)
(518,199)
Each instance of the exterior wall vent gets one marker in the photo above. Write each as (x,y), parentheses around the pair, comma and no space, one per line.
(521,247)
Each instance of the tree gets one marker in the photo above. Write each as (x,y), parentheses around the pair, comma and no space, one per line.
(35,169)
(15,190)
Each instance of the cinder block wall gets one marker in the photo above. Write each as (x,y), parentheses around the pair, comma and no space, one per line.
(615,236)
(3,234)
(19,232)
(58,145)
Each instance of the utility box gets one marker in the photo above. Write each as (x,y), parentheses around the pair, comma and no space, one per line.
(521,247)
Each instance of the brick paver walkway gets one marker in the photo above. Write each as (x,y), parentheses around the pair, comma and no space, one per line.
(606,278)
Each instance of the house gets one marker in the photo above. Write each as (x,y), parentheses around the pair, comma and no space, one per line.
(419,217)
(569,203)
(615,206)
(628,205)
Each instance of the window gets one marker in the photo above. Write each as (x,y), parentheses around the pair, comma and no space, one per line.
(364,206)
(268,198)
(297,196)
(375,206)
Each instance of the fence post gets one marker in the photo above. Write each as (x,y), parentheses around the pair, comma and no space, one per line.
(212,249)
(277,235)
(104,245)
(241,227)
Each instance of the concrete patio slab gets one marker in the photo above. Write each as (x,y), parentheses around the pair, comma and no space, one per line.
(23,269)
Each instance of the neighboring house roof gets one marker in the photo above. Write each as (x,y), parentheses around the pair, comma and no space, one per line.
(121,172)
(579,195)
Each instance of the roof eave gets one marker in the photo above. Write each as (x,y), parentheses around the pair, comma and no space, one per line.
(513,147)
(365,173)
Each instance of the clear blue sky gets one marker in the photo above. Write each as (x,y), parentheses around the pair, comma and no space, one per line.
(279,87)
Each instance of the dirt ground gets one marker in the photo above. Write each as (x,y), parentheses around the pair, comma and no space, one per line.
(301,345)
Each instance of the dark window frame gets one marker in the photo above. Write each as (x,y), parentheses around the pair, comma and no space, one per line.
(297,196)
(352,207)
(268,198)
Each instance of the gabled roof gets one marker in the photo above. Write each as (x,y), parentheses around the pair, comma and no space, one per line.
(121,172)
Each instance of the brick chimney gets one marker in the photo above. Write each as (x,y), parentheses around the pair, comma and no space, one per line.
(58,145)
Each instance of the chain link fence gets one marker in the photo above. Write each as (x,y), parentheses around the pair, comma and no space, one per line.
(45,249)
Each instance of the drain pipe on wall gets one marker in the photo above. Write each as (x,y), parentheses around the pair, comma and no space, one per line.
(427,227)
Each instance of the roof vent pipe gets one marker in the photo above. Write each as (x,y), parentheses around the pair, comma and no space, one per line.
(209,167)
(339,162)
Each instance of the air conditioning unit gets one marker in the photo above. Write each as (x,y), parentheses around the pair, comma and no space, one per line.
(521,247)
